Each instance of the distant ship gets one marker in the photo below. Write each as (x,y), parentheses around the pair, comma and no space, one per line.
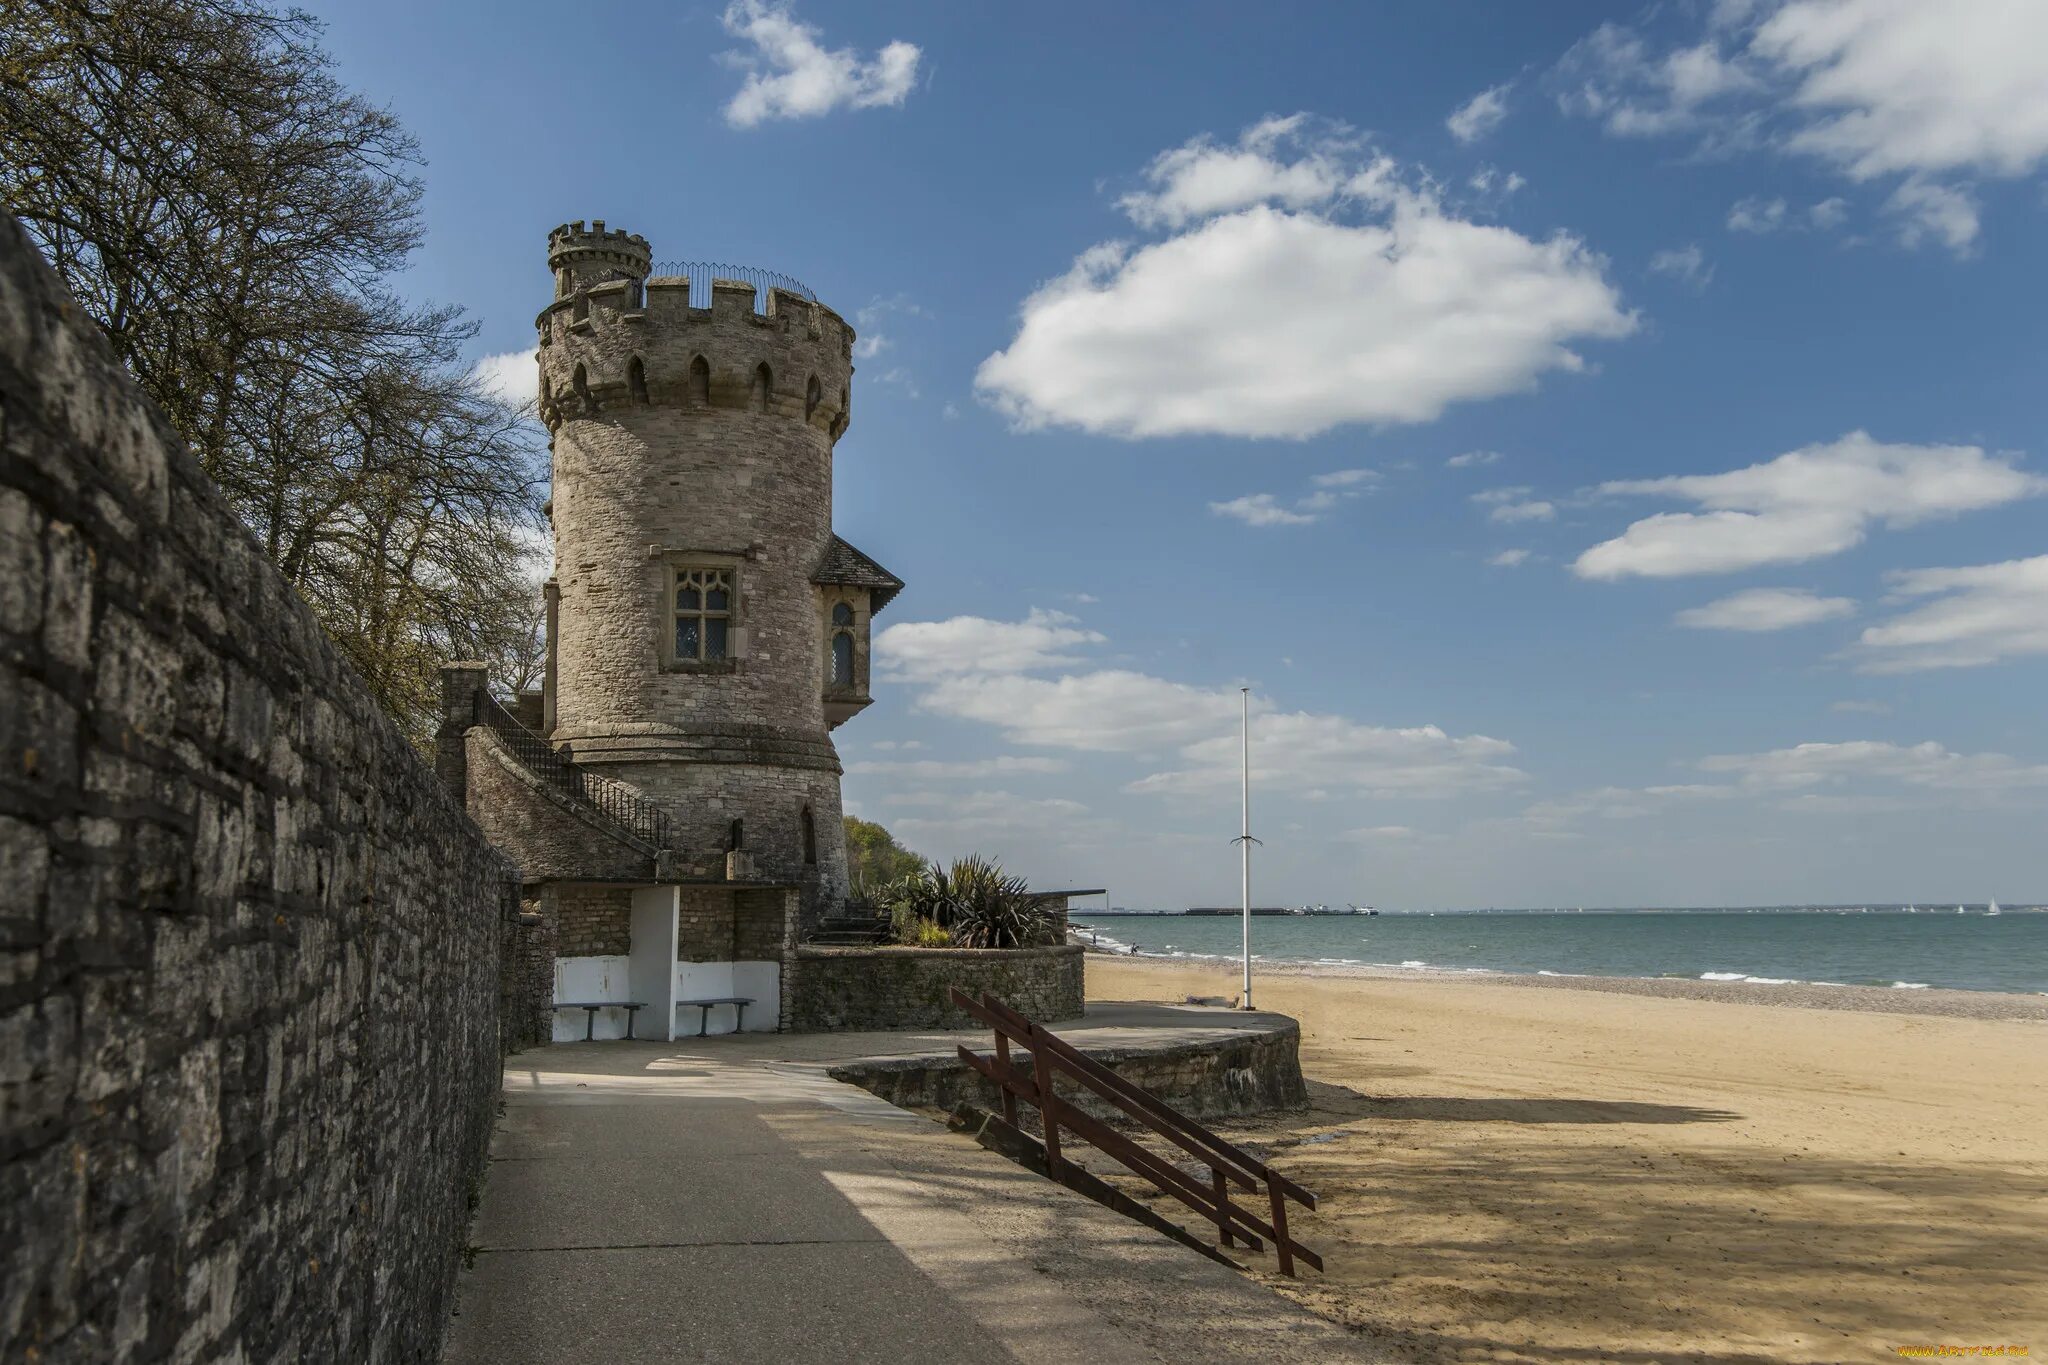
(1993,910)
(1363,910)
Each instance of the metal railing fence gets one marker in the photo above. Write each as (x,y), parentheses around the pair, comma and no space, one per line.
(702,273)
(614,800)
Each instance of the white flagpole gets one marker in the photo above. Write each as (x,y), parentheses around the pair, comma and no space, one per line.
(1246,841)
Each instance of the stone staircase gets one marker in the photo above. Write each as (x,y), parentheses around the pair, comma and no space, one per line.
(855,927)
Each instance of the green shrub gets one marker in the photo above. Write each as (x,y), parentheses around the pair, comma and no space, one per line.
(973,904)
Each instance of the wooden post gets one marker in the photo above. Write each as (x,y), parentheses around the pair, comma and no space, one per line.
(1222,1194)
(1003,1068)
(1280,1242)
(1048,1108)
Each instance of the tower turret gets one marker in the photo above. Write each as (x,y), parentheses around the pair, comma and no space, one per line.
(703,605)
(582,257)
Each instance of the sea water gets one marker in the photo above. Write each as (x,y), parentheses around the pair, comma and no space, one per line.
(1939,949)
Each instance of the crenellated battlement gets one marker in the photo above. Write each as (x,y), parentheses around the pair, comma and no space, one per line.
(623,343)
(582,257)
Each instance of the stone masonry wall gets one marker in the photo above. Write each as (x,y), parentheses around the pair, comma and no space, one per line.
(540,830)
(885,988)
(249,1048)
(593,920)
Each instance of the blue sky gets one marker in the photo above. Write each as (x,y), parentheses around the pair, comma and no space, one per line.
(1608,441)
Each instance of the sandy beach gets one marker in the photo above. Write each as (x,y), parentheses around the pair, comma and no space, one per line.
(1627,1174)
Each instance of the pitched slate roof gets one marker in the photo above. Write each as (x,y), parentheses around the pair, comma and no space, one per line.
(845,566)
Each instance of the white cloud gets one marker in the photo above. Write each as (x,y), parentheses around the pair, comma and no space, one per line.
(1859,762)
(1346,478)
(1618,803)
(1931,94)
(1472,458)
(1811,502)
(511,377)
(869,319)
(1929,212)
(1895,86)
(1509,513)
(933,769)
(1982,614)
(1761,609)
(1119,711)
(1262,509)
(790,74)
(966,644)
(1508,506)
(1299,750)
(1480,115)
(985,812)
(1613,76)
(1268,311)
(1757,215)
(1686,264)
(1105,711)
(1509,559)
(1201,178)
(1483,181)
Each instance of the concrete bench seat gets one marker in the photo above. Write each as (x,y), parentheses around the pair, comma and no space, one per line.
(738,1002)
(593,1006)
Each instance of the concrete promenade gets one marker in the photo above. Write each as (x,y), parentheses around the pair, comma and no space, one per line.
(724,1200)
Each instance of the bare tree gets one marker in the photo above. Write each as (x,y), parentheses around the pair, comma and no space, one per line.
(231,215)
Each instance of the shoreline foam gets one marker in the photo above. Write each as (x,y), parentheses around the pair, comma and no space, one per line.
(1902,998)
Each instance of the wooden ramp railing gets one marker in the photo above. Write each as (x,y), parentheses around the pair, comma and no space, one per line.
(1053,1057)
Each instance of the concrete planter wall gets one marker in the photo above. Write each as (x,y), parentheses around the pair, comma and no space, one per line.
(888,988)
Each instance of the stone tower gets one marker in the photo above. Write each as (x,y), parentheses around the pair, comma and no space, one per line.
(706,628)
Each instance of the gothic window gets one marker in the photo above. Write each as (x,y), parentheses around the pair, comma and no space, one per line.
(700,380)
(704,614)
(636,380)
(810,833)
(842,645)
(580,382)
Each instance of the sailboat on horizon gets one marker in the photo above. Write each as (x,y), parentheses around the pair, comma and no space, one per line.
(1994,908)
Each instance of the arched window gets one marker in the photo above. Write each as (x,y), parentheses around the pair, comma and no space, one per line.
(736,836)
(842,645)
(811,396)
(764,384)
(636,380)
(810,833)
(700,380)
(581,383)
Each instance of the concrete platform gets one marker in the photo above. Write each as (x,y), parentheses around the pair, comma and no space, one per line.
(725,1199)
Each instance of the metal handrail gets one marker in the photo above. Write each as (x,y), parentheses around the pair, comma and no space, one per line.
(614,800)
(702,273)
(1228,1165)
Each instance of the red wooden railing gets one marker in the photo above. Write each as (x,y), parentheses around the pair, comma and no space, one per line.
(1053,1057)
